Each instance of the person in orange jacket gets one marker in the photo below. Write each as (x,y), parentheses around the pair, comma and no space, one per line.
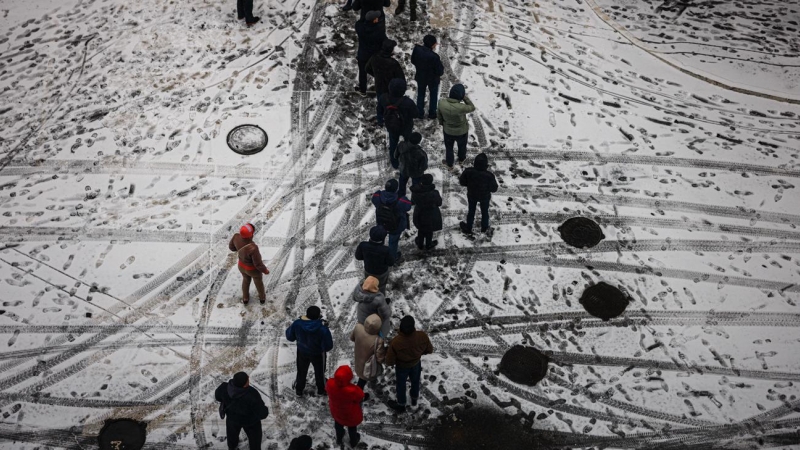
(250,263)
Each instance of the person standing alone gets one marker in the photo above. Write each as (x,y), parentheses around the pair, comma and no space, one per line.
(452,115)
(429,72)
(480,185)
(250,263)
(242,408)
(313,341)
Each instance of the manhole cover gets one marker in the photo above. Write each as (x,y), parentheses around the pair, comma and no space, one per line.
(581,232)
(524,365)
(604,301)
(122,434)
(247,139)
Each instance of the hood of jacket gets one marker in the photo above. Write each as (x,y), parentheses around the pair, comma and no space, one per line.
(343,376)
(373,324)
(362,296)
(388,197)
(481,162)
(235,392)
(420,188)
(310,326)
(377,234)
(397,87)
(457,92)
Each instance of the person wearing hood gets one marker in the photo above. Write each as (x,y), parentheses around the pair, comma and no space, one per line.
(371,33)
(303,442)
(376,256)
(480,185)
(399,112)
(242,408)
(365,6)
(413,162)
(371,301)
(384,68)
(427,215)
(251,266)
(405,353)
(313,341)
(368,342)
(429,72)
(391,212)
(345,402)
(452,115)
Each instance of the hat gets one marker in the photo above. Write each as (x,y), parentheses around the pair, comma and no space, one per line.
(429,40)
(407,325)
(391,185)
(415,138)
(370,284)
(313,312)
(372,15)
(427,179)
(240,379)
(457,92)
(388,45)
(301,443)
(247,231)
(377,233)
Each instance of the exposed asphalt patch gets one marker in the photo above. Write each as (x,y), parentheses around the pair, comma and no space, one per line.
(604,301)
(581,232)
(524,365)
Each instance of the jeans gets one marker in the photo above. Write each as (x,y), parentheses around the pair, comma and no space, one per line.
(254,275)
(449,140)
(244,9)
(401,191)
(303,361)
(394,139)
(424,238)
(382,280)
(402,375)
(484,212)
(394,242)
(433,88)
(351,431)
(253,433)
(362,79)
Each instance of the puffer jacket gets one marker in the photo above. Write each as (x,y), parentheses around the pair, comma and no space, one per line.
(426,200)
(366,340)
(372,303)
(344,398)
(480,182)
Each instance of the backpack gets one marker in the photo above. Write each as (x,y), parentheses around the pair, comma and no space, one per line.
(417,162)
(372,368)
(393,118)
(386,216)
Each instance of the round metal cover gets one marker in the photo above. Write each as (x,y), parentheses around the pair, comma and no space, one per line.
(524,365)
(581,232)
(122,434)
(247,139)
(604,301)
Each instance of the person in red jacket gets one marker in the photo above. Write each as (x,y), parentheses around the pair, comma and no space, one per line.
(344,399)
(250,263)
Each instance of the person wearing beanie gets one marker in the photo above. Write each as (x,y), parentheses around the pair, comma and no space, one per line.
(313,341)
(345,401)
(242,408)
(251,266)
(401,6)
(391,212)
(399,113)
(405,353)
(370,300)
(384,68)
(303,442)
(413,162)
(369,341)
(371,33)
(376,256)
(365,6)
(452,115)
(480,185)
(427,215)
(428,75)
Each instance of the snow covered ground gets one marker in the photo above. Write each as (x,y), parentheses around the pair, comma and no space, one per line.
(118,196)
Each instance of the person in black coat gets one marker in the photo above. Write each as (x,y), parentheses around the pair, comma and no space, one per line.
(427,216)
(243,408)
(413,162)
(366,6)
(371,33)
(384,68)
(407,109)
(429,72)
(480,184)
(376,256)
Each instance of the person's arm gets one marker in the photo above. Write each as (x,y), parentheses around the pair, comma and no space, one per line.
(493,187)
(429,346)
(353,335)
(391,356)
(468,105)
(414,56)
(438,198)
(327,339)
(290,335)
(231,245)
(368,67)
(439,66)
(439,115)
(389,259)
(356,5)
(376,199)
(463,179)
(404,204)
(359,253)
(261,409)
(218,393)
(380,353)
(255,255)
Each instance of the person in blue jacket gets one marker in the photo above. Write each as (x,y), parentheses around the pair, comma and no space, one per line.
(313,341)
(429,72)
(391,212)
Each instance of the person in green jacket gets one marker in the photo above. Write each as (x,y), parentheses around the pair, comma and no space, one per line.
(452,115)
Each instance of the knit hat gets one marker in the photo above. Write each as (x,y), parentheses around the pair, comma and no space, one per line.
(429,40)
(457,92)
(377,233)
(372,15)
(247,231)
(303,442)
(415,138)
(427,179)
(370,284)
(407,325)
(391,185)
(313,312)
(240,379)
(388,45)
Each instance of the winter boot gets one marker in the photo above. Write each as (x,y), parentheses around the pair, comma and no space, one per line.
(465,228)
(433,244)
(397,407)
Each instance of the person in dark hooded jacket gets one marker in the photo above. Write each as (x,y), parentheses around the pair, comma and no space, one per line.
(452,115)
(387,203)
(377,257)
(480,185)
(429,72)
(413,162)
(407,111)
(427,215)
(365,6)
(385,69)
(243,408)
(371,33)
(313,340)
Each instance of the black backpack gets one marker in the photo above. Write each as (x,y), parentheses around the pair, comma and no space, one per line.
(386,216)
(393,118)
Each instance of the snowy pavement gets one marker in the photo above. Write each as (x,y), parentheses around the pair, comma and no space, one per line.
(118,194)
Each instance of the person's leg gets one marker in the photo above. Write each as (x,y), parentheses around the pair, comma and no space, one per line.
(339,432)
(248,11)
(434,90)
(472,202)
(448,149)
(319,372)
(401,378)
(254,436)
(394,139)
(401,6)
(413,7)
(420,240)
(245,285)
(403,184)
(427,238)
(462,146)
(383,279)
(303,362)
(361,383)
(394,241)
(416,374)
(379,110)
(240,9)
(353,435)
(421,98)
(485,213)
(348,6)
(258,280)
(362,76)
(233,434)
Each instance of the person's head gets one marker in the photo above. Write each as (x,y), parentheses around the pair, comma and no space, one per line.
(247,231)
(377,234)
(429,41)
(313,312)
(408,325)
(427,180)
(373,16)
(391,185)
(303,442)
(397,87)
(458,92)
(415,138)
(481,162)
(370,284)
(388,46)
(241,380)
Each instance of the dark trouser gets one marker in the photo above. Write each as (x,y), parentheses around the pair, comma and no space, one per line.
(244,9)
(361,383)
(303,361)
(362,76)
(402,376)
(433,88)
(351,431)
(404,183)
(424,238)
(401,4)
(254,275)
(394,243)
(378,108)
(382,280)
(394,139)
(253,433)
(484,211)
(449,140)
